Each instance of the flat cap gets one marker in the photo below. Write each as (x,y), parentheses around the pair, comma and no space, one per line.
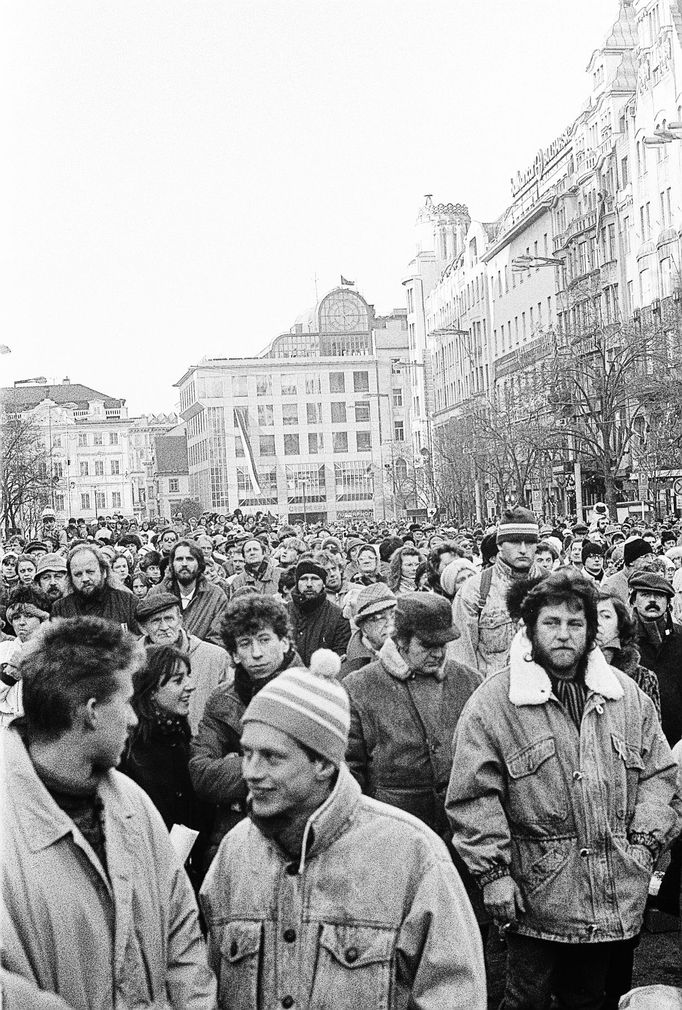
(154,603)
(650,582)
(51,563)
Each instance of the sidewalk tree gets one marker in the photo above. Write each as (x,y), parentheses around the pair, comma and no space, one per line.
(25,479)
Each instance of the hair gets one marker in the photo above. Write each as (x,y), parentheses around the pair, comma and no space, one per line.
(128,560)
(196,552)
(161,663)
(29,558)
(388,546)
(558,587)
(396,565)
(69,662)
(104,565)
(325,558)
(129,539)
(627,629)
(247,615)
(548,548)
(149,559)
(142,577)
(31,595)
(422,569)
(369,548)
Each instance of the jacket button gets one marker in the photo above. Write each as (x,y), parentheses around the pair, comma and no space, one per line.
(288,1001)
(233,948)
(289,935)
(352,955)
(578,776)
(584,852)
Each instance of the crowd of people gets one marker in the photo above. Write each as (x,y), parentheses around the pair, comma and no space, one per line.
(386,739)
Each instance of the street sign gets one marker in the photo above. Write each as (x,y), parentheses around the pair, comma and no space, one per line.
(677,486)
(491,496)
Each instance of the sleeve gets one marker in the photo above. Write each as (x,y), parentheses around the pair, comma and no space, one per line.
(439,953)
(215,765)
(213,634)
(190,983)
(19,993)
(473,804)
(341,635)
(656,820)
(133,626)
(465,614)
(357,755)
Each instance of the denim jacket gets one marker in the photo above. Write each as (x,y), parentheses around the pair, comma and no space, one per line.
(373,916)
(576,818)
(485,628)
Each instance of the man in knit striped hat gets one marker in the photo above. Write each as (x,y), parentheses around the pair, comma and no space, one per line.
(480,611)
(323,897)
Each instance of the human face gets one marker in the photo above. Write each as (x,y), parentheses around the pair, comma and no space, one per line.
(367,562)
(423,659)
(86,575)
(115,719)
(52,584)
(253,552)
(310,586)
(168,541)
(173,696)
(206,549)
(287,555)
(608,622)
(9,567)
(334,578)
(164,628)
(26,571)
(594,564)
(25,626)
(544,560)
(139,588)
(120,566)
(279,775)
(560,639)
(185,566)
(261,654)
(649,604)
(409,563)
(576,553)
(519,556)
(378,627)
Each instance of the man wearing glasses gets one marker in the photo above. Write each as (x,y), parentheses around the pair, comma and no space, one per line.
(374,619)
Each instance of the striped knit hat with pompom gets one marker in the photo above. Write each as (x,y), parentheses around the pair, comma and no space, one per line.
(309,705)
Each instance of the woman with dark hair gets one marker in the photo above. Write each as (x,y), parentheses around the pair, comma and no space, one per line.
(616,638)
(402,570)
(140,585)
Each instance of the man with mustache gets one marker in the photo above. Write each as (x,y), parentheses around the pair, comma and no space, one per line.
(659,640)
(90,593)
(202,604)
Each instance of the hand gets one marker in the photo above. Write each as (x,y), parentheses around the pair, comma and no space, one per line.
(502,899)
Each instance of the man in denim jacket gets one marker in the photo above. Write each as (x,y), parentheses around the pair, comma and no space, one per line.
(324,898)
(562,796)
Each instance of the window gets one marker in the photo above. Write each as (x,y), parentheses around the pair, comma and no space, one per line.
(173,485)
(340,441)
(100,500)
(361,413)
(313,384)
(289,414)
(84,470)
(361,382)
(240,385)
(97,438)
(82,440)
(113,438)
(85,502)
(337,382)
(267,445)
(115,499)
(266,416)
(338,412)
(115,468)
(59,502)
(398,431)
(397,397)
(314,413)
(264,385)
(57,442)
(99,468)
(58,470)
(626,234)
(624,174)
(315,443)
(289,385)
(364,441)
(291,447)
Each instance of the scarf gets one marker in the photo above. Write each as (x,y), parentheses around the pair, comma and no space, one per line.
(81,804)
(652,631)
(247,688)
(167,724)
(572,694)
(308,606)
(257,571)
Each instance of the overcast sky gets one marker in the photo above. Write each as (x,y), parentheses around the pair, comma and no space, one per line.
(177,174)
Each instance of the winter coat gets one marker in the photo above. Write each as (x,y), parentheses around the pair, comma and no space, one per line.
(627,659)
(400,742)
(117,605)
(215,764)
(204,613)
(320,627)
(486,630)
(574,818)
(210,668)
(357,655)
(158,762)
(372,916)
(266,583)
(142,945)
(666,662)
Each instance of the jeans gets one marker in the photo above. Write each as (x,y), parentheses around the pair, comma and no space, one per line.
(574,973)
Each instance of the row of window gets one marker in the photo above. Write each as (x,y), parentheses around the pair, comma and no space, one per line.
(99,499)
(294,384)
(83,439)
(97,468)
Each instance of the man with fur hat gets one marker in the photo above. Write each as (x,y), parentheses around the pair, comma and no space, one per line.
(316,623)
(323,897)
(659,640)
(480,612)
(562,796)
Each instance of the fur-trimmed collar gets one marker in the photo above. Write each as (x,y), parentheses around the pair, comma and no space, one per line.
(529,684)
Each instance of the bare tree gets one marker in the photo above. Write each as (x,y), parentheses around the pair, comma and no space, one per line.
(25,479)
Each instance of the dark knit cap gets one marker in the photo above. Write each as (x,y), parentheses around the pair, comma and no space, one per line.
(636,548)
(308,567)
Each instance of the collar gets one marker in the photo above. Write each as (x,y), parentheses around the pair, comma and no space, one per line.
(507,572)
(395,665)
(529,684)
(326,824)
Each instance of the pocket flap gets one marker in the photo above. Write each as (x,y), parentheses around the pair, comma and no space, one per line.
(356,946)
(241,939)
(630,755)
(528,760)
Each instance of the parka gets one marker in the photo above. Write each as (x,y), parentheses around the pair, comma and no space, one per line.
(575,817)
(373,915)
(666,662)
(402,725)
(266,583)
(321,626)
(204,613)
(75,936)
